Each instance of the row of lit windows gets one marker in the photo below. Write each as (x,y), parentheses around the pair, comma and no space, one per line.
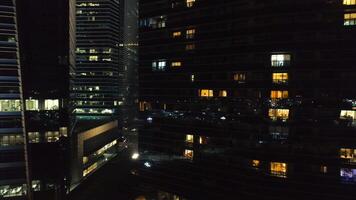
(96,58)
(10,140)
(88,5)
(82,51)
(49,104)
(94,111)
(349,19)
(50,136)
(210,93)
(189,34)
(10,105)
(189,138)
(349,2)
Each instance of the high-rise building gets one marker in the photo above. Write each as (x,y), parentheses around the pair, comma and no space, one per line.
(249,99)
(12,159)
(97,69)
(95,91)
(128,70)
(47,52)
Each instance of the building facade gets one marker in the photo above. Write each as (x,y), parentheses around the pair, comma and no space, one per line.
(249,98)
(97,70)
(12,159)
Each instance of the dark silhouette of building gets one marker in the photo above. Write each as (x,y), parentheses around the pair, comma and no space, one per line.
(249,99)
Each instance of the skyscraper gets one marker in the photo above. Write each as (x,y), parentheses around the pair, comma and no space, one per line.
(97,75)
(249,98)
(12,170)
(47,49)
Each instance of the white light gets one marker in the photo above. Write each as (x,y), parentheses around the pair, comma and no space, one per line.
(223,118)
(147,164)
(135,156)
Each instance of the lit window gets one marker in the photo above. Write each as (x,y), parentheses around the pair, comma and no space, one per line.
(189,154)
(222,93)
(176,64)
(51,104)
(324,169)
(159,65)
(277,94)
(348,154)
(240,77)
(93,58)
(203,140)
(52,136)
(192,77)
(78,50)
(63,131)
(349,2)
(280,60)
(92,51)
(280,77)
(176,34)
(10,140)
(90,169)
(33,137)
(32,104)
(255,163)
(190,47)
(348,175)
(190,33)
(189,138)
(349,19)
(348,114)
(10,105)
(107,59)
(278,169)
(278,114)
(190,3)
(206,93)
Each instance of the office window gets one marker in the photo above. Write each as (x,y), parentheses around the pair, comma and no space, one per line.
(206,93)
(159,65)
(348,154)
(176,34)
(10,140)
(32,104)
(52,136)
(278,114)
(280,77)
(33,137)
(189,154)
(348,175)
(349,19)
(93,58)
(10,105)
(348,114)
(222,93)
(190,3)
(280,60)
(277,94)
(203,140)
(192,77)
(240,77)
(93,51)
(63,131)
(255,163)
(349,2)
(278,169)
(176,64)
(189,139)
(189,47)
(51,104)
(190,33)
